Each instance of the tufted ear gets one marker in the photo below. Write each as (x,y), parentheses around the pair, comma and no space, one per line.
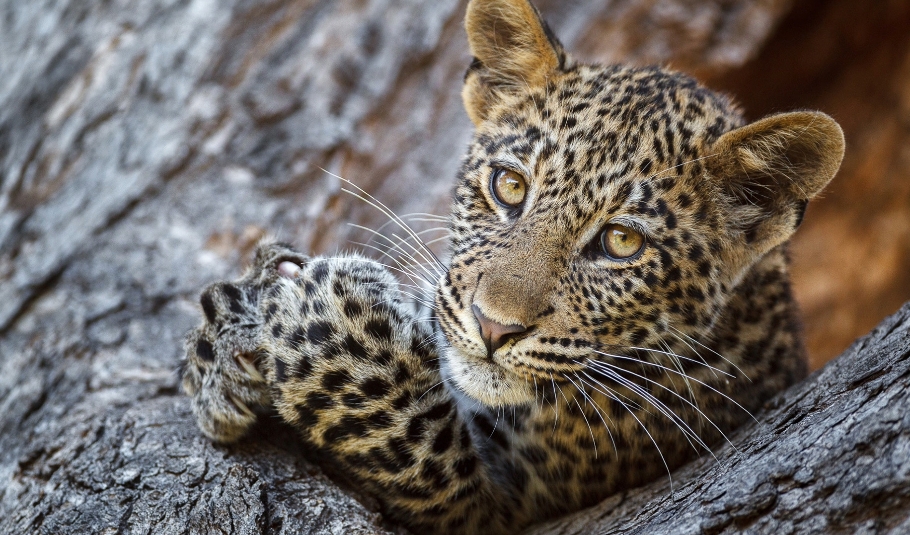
(768,171)
(513,50)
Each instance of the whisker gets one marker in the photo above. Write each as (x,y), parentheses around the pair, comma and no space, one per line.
(409,256)
(643,362)
(555,403)
(677,363)
(725,359)
(709,387)
(600,414)
(680,165)
(424,291)
(661,407)
(693,350)
(684,400)
(439,272)
(426,304)
(581,410)
(645,429)
(413,215)
(402,267)
(376,203)
(431,388)
(437,240)
(672,355)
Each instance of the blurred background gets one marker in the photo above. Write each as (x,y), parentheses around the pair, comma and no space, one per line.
(851,259)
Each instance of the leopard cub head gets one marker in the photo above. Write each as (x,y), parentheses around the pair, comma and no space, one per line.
(604,208)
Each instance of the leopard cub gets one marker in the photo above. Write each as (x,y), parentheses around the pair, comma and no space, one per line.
(616,301)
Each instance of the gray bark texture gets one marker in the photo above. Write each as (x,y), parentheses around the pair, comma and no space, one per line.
(145,146)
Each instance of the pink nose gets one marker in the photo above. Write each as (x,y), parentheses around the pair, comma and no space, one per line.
(494,334)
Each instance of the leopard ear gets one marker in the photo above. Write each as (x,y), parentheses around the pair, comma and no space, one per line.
(768,171)
(513,51)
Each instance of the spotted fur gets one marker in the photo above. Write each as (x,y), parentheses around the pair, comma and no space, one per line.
(622,369)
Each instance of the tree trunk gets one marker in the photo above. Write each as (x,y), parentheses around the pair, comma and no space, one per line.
(145,148)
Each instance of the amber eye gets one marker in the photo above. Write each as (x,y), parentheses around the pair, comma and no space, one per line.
(620,243)
(508,187)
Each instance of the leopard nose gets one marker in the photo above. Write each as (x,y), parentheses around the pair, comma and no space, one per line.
(494,334)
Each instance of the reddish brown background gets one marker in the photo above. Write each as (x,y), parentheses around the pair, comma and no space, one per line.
(852,60)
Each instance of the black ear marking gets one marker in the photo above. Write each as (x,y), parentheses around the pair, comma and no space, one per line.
(476,65)
(800,212)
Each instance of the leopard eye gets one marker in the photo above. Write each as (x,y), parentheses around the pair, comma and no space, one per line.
(620,242)
(508,187)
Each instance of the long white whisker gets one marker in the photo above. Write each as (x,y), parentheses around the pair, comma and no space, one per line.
(709,387)
(672,355)
(409,256)
(600,414)
(643,362)
(437,240)
(386,210)
(431,388)
(412,216)
(688,402)
(439,272)
(424,291)
(695,351)
(580,409)
(677,363)
(643,427)
(661,407)
(402,267)
(555,403)
(681,164)
(401,224)
(712,351)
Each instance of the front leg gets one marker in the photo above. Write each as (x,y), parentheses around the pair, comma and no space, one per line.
(355,371)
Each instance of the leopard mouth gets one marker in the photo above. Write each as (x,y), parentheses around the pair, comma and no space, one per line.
(510,375)
(484,380)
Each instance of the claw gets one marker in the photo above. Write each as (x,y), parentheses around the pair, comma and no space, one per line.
(288,270)
(248,367)
(242,406)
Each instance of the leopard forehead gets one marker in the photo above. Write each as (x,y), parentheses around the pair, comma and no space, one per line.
(591,125)
(594,144)
(593,139)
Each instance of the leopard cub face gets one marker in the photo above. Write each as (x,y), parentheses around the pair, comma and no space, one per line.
(602,210)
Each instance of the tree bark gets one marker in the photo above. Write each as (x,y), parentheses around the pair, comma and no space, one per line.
(146,146)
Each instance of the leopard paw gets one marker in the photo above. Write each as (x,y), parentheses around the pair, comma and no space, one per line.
(221,370)
(224,366)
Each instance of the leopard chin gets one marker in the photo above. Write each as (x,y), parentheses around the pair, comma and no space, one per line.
(483,380)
